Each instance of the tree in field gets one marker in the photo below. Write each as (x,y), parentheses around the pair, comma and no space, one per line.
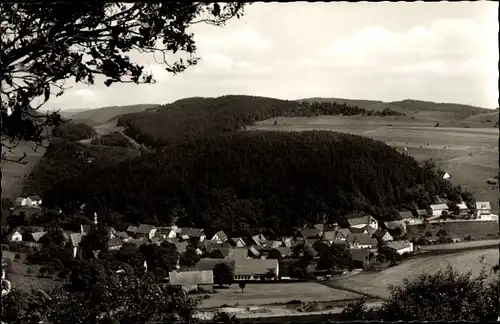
(242,286)
(223,275)
(44,46)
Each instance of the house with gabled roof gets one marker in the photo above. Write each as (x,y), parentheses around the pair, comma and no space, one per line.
(220,237)
(331,236)
(16,235)
(255,269)
(422,213)
(309,233)
(370,230)
(437,210)
(197,234)
(361,241)
(408,218)
(123,236)
(237,241)
(361,222)
(36,200)
(145,231)
(401,246)
(463,210)
(38,235)
(22,202)
(131,230)
(382,235)
(254,251)
(359,230)
(343,233)
(259,239)
(361,258)
(285,251)
(482,208)
(114,244)
(191,280)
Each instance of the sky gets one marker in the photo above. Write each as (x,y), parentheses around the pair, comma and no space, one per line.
(440,51)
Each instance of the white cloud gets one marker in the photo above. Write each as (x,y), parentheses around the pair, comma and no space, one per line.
(241,39)
(217,61)
(85,94)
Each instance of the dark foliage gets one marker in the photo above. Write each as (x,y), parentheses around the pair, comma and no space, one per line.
(112,139)
(223,275)
(250,182)
(74,131)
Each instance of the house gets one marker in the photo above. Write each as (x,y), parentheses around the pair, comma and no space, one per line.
(392,225)
(111,231)
(483,208)
(272,244)
(462,209)
(38,235)
(259,239)
(16,235)
(422,213)
(382,235)
(437,209)
(363,221)
(123,236)
(446,175)
(237,241)
(288,241)
(361,258)
(36,200)
(343,233)
(182,232)
(401,247)
(408,218)
(23,202)
(114,244)
(220,237)
(255,269)
(131,230)
(359,230)
(196,234)
(165,232)
(75,239)
(145,231)
(191,280)
(254,252)
(370,230)
(361,241)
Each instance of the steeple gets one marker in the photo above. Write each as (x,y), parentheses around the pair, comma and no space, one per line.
(95,218)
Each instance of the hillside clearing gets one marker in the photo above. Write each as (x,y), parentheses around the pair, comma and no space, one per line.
(377,283)
(462,229)
(470,155)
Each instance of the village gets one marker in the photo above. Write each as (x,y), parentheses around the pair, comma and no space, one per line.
(261,259)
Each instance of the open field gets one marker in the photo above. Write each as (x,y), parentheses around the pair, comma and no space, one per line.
(462,229)
(21,280)
(266,294)
(422,141)
(377,283)
(461,246)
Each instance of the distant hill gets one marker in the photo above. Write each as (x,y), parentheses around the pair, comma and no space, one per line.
(411,107)
(103,115)
(67,113)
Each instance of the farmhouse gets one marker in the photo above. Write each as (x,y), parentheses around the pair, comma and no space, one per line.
(361,222)
(237,241)
(482,208)
(165,232)
(408,218)
(191,280)
(196,234)
(382,235)
(145,231)
(361,241)
(401,247)
(255,269)
(220,237)
(438,209)
(16,235)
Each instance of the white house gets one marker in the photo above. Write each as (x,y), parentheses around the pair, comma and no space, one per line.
(23,202)
(446,175)
(145,231)
(15,236)
(166,232)
(220,237)
(382,235)
(35,200)
(238,241)
(401,247)
(438,209)
(463,210)
(361,222)
(483,208)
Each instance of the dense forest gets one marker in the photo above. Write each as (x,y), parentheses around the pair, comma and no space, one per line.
(73,131)
(255,181)
(112,139)
(193,118)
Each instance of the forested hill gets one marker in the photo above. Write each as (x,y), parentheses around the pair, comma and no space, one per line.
(251,181)
(197,117)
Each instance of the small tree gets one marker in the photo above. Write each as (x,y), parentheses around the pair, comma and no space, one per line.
(242,286)
(29,272)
